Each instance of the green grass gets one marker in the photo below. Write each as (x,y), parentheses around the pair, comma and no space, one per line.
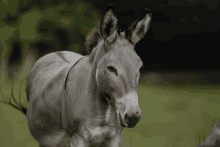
(174,115)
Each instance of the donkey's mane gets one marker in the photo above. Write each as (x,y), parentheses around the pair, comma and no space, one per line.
(93,38)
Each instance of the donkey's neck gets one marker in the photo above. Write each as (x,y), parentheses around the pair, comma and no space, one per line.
(97,53)
(94,58)
(98,101)
(96,98)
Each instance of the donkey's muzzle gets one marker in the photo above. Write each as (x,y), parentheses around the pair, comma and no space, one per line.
(132,118)
(132,113)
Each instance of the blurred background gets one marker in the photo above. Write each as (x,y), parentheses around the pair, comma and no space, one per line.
(179,84)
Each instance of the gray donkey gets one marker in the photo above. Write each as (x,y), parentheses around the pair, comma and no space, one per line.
(83,101)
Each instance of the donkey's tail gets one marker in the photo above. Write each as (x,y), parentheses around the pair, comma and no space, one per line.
(17,105)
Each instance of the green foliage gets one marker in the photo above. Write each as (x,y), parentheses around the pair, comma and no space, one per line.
(41,28)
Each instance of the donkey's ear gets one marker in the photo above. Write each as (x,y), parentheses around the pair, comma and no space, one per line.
(108,27)
(139,28)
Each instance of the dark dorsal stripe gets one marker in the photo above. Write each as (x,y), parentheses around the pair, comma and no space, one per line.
(69,72)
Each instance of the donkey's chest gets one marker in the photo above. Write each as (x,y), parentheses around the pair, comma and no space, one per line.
(97,135)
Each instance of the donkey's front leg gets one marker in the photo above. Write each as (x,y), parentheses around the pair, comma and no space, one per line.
(77,141)
(115,141)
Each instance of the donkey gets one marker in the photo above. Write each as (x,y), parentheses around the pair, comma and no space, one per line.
(214,138)
(83,101)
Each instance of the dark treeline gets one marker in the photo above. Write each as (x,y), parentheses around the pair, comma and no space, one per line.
(182,35)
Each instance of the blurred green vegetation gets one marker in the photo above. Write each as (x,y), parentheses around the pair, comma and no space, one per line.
(31,29)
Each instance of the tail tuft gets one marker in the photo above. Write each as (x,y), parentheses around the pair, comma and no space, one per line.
(17,104)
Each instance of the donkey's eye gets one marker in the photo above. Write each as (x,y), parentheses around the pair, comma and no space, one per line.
(112,69)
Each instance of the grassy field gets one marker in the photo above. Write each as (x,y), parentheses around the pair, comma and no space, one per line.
(174,115)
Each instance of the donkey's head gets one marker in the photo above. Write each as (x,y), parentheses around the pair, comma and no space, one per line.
(118,65)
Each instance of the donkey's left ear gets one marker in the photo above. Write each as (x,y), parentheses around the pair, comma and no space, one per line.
(139,28)
(108,26)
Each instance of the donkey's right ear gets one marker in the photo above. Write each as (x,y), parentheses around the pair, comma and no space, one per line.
(108,26)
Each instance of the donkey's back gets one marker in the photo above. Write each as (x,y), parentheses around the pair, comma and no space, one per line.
(44,91)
